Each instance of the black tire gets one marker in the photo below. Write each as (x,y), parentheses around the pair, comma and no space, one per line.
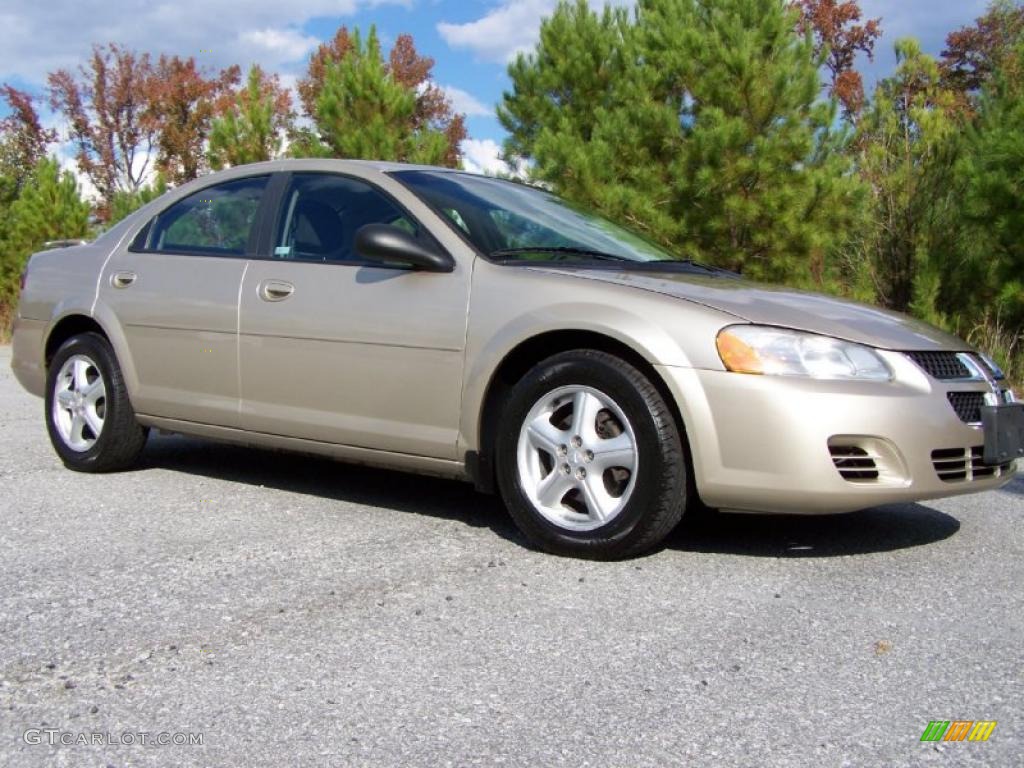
(121,438)
(659,496)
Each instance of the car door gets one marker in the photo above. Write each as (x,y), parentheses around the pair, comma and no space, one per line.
(174,291)
(337,349)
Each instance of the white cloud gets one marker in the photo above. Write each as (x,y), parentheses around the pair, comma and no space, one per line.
(85,187)
(482,156)
(42,37)
(466,103)
(501,34)
(288,44)
(513,27)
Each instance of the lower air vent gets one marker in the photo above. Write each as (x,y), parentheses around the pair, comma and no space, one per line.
(967,405)
(950,464)
(854,463)
(960,465)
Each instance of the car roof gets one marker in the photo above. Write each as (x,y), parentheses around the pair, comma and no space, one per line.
(357,167)
(325,164)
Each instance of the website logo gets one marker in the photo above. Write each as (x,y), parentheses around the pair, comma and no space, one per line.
(958,730)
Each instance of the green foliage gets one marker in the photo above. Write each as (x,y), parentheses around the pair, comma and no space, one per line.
(362,111)
(251,129)
(697,124)
(125,203)
(909,146)
(992,177)
(49,207)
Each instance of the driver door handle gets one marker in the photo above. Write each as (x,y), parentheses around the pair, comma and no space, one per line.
(275,290)
(122,279)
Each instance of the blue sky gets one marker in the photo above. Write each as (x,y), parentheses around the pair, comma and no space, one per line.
(470,40)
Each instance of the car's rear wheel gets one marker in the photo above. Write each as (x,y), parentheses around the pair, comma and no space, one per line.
(88,415)
(589,459)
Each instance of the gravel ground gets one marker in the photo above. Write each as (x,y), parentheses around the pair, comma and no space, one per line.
(293,611)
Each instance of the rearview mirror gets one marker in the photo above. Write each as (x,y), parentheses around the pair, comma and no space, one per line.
(391,245)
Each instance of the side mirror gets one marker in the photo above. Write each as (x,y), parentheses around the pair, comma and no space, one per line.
(391,245)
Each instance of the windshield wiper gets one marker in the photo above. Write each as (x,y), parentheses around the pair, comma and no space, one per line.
(655,265)
(675,264)
(555,249)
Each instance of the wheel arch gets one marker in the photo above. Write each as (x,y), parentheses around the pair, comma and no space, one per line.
(74,320)
(526,354)
(68,326)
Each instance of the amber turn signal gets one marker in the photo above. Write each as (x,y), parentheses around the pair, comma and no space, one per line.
(737,355)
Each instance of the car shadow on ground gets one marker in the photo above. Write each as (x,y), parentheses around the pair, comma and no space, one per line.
(322,477)
(882,529)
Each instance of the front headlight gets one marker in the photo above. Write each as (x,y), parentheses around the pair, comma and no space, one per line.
(780,352)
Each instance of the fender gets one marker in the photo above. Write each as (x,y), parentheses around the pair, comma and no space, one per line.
(104,317)
(485,356)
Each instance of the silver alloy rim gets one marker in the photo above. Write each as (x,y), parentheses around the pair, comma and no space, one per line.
(79,403)
(577,458)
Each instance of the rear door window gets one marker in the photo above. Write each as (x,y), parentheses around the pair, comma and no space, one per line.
(218,221)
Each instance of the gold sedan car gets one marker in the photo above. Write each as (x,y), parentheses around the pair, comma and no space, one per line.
(446,323)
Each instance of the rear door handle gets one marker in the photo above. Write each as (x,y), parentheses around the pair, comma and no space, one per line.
(122,279)
(275,290)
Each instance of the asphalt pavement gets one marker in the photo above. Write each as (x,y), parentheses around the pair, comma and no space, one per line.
(290,611)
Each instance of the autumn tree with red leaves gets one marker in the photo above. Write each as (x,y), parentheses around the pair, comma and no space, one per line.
(309,87)
(975,52)
(106,106)
(840,36)
(23,140)
(182,103)
(433,107)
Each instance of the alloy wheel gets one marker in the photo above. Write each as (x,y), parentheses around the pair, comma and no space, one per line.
(79,403)
(577,458)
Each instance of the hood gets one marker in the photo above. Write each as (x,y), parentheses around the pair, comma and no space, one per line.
(788,308)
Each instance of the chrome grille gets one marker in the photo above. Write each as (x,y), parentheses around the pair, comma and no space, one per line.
(854,463)
(960,465)
(967,405)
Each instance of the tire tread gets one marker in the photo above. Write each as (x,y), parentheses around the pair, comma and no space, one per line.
(664,512)
(123,437)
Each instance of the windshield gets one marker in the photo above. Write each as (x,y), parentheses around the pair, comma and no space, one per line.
(513,222)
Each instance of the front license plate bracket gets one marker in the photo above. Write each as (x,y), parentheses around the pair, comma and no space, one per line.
(1004,432)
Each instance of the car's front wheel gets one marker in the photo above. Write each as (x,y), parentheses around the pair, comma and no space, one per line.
(88,415)
(590,461)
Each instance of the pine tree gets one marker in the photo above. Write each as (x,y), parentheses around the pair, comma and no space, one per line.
(125,203)
(252,128)
(49,207)
(909,148)
(699,124)
(363,111)
(993,178)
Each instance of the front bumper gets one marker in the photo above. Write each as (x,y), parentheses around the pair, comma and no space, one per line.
(769,443)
